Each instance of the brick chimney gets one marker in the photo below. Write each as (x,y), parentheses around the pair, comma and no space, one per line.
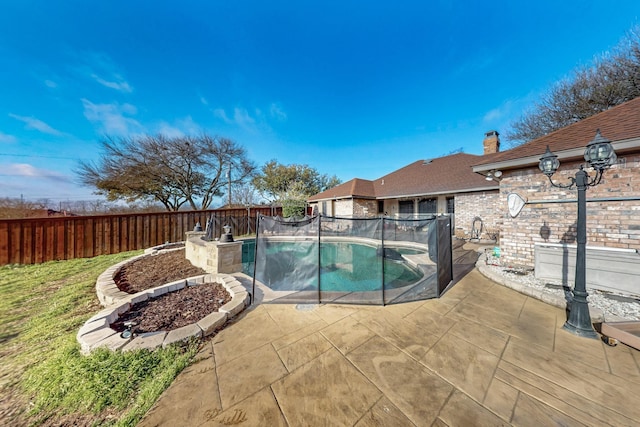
(491,142)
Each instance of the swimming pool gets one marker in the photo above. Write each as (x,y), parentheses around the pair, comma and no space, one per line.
(343,266)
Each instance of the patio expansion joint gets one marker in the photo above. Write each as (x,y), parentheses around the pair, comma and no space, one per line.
(495,370)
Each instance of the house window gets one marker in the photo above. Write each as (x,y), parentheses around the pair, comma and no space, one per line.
(405,206)
(324,208)
(451,209)
(428,206)
(451,205)
(380,206)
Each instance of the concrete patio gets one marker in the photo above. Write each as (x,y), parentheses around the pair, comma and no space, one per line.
(482,354)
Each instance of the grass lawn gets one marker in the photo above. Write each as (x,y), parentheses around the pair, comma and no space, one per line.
(44,380)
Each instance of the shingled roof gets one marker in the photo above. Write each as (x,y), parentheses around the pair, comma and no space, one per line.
(619,124)
(442,175)
(360,188)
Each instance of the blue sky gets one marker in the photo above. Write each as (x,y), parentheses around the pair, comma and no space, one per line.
(355,89)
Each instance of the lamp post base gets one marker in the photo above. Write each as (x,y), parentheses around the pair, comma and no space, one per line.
(579,322)
(581,332)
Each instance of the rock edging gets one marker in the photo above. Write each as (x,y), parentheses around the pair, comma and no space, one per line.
(96,333)
(597,316)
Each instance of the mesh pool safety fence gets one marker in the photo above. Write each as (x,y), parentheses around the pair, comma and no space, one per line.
(351,260)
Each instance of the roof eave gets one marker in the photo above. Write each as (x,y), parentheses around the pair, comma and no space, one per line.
(350,196)
(574,153)
(440,193)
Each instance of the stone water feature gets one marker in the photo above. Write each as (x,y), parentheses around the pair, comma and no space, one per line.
(213,256)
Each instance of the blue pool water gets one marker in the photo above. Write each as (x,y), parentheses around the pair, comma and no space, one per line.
(344,266)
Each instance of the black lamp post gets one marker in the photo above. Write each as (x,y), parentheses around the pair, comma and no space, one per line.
(600,155)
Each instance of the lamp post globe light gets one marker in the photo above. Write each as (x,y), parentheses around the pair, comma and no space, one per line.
(599,154)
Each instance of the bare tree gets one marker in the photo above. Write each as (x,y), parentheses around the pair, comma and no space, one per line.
(244,195)
(22,208)
(611,80)
(173,171)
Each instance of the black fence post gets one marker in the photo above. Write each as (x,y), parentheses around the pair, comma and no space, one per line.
(319,259)
(382,242)
(255,259)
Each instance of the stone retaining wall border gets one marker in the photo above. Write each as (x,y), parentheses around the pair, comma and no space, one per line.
(96,331)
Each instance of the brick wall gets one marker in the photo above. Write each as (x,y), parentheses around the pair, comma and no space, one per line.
(610,224)
(365,208)
(343,208)
(486,205)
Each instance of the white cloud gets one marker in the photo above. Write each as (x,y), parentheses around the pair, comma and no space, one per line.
(203,100)
(252,121)
(8,139)
(35,124)
(111,118)
(170,131)
(499,113)
(241,117)
(493,115)
(50,84)
(277,112)
(100,68)
(119,84)
(221,114)
(180,128)
(25,169)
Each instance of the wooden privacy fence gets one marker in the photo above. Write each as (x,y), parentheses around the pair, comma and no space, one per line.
(36,240)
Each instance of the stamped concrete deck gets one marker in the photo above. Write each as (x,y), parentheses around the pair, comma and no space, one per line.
(482,354)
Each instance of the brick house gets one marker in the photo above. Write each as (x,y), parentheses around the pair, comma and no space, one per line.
(549,215)
(435,186)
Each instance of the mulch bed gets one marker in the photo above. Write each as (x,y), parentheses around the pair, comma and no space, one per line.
(155,270)
(172,310)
